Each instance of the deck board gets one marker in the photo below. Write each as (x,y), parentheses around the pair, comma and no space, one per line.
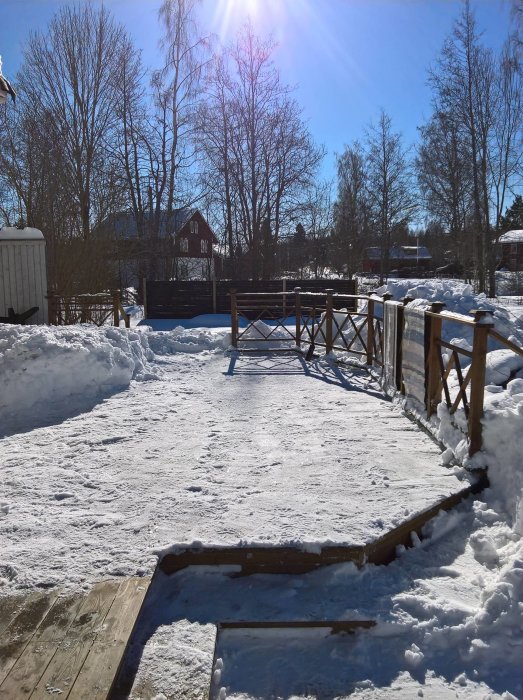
(69,646)
(21,629)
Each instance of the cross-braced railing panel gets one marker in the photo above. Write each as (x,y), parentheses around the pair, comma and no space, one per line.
(88,308)
(451,367)
(264,318)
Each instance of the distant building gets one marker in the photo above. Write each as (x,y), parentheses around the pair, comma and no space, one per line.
(510,251)
(400,257)
(183,249)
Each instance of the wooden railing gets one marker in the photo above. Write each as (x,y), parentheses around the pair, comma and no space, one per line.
(86,308)
(354,324)
(342,322)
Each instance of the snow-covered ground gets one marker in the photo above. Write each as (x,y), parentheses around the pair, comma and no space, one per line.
(118,443)
(222,450)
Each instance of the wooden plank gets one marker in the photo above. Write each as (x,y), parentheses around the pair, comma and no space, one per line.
(335,625)
(71,653)
(124,611)
(60,674)
(101,666)
(27,671)
(21,629)
(98,671)
(30,666)
(273,560)
(10,606)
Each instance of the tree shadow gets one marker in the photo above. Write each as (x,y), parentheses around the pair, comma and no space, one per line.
(352,378)
(55,413)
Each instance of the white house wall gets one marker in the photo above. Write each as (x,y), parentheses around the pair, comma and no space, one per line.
(194,268)
(23,278)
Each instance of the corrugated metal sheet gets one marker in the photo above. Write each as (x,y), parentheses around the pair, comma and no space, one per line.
(23,278)
(391,321)
(414,348)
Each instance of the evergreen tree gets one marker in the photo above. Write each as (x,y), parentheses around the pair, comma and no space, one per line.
(513,218)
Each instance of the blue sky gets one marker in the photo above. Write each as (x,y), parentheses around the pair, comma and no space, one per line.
(347,58)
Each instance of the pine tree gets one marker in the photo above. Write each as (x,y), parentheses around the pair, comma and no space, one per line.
(513,218)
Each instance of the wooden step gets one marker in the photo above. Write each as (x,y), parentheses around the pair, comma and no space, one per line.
(68,645)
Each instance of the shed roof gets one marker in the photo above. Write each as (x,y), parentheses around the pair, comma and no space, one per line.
(515,236)
(11,233)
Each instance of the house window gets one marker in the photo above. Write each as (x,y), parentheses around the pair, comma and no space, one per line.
(184,245)
(204,246)
(194,227)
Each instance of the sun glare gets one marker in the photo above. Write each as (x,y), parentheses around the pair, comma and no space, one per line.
(265,15)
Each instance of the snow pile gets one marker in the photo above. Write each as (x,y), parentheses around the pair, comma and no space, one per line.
(260,336)
(459,298)
(48,372)
(187,340)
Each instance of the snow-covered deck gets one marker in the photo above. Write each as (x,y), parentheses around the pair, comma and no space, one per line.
(222,451)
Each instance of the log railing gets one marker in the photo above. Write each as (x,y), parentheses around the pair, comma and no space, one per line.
(97,309)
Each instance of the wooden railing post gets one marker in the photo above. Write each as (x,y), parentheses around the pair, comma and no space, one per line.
(214,306)
(433,365)
(328,321)
(477,378)
(297,306)
(85,316)
(52,308)
(284,289)
(116,307)
(370,330)
(144,297)
(387,296)
(234,318)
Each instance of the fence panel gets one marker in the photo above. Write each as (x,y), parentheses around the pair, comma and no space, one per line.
(186,299)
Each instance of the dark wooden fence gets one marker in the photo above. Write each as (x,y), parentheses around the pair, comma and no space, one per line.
(178,299)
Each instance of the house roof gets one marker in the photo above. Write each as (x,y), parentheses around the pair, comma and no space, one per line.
(515,236)
(124,223)
(401,252)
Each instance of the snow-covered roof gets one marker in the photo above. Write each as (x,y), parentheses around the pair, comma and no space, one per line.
(124,223)
(515,236)
(401,252)
(11,233)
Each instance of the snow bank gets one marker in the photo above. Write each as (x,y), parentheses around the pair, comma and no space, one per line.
(188,340)
(458,297)
(49,373)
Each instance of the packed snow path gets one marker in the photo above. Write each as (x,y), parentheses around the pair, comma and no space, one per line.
(221,450)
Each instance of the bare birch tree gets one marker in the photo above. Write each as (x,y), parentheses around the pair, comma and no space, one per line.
(390,184)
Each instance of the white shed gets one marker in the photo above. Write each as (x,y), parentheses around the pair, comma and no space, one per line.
(23,272)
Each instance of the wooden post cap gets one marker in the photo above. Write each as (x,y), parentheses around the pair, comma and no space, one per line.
(437,306)
(407,300)
(387,296)
(483,316)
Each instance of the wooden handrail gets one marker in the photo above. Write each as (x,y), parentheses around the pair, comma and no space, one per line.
(505,341)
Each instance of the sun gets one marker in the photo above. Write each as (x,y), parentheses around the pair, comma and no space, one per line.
(229,15)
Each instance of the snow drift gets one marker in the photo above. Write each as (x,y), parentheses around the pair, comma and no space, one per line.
(49,373)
